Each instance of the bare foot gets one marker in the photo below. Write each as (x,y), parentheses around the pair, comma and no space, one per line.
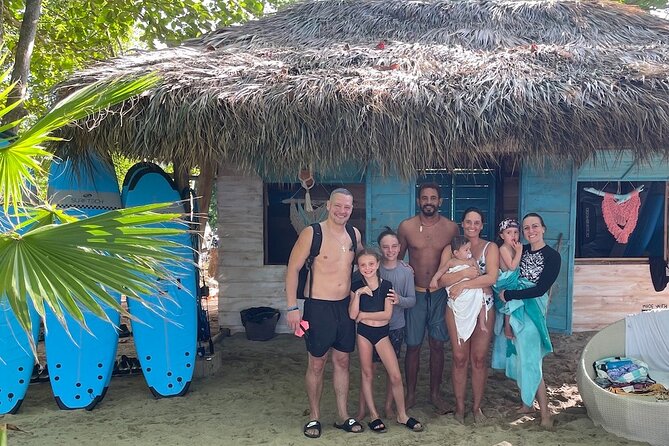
(440,406)
(478,416)
(547,423)
(523,409)
(410,400)
(459,417)
(390,412)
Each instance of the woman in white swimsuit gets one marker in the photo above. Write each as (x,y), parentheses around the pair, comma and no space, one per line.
(476,349)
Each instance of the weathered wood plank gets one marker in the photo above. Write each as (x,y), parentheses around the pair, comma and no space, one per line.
(232,242)
(258,289)
(241,225)
(269,273)
(550,192)
(237,304)
(389,202)
(604,294)
(609,166)
(240,258)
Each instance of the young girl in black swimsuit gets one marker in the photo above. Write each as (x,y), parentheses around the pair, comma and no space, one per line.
(371,310)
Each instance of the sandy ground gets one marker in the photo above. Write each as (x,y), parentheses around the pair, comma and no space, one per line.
(258,398)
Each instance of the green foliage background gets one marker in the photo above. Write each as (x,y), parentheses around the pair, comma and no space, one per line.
(74,33)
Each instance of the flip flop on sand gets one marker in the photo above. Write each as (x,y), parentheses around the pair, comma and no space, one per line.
(43,376)
(135,365)
(413,425)
(312,429)
(377,426)
(122,367)
(37,369)
(350,425)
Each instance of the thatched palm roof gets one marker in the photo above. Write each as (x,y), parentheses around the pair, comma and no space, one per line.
(455,84)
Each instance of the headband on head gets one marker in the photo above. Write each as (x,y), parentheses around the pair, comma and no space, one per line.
(508,223)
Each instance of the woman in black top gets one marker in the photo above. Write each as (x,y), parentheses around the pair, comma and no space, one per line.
(540,264)
(371,308)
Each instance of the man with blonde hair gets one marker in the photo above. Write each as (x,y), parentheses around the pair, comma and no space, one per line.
(326,310)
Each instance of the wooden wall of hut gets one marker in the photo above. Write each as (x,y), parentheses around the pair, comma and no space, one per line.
(605,293)
(244,281)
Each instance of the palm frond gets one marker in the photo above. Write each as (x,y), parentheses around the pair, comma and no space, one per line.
(19,156)
(81,263)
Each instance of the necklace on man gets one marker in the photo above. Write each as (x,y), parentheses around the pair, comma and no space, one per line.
(420,229)
(344,248)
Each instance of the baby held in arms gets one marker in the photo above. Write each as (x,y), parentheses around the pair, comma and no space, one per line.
(468,307)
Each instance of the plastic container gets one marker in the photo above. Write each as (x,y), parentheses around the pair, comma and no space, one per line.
(260,322)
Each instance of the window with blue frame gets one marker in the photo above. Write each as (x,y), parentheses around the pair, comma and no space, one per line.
(465,188)
(620,219)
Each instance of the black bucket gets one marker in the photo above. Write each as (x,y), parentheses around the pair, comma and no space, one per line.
(260,323)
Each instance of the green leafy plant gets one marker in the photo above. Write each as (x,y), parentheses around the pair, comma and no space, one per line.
(72,265)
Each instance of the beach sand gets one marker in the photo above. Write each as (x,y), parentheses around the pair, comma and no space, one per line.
(258,398)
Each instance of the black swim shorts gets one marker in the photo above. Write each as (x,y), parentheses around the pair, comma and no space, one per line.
(329,326)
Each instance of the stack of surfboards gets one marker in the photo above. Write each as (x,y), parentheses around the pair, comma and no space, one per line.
(81,361)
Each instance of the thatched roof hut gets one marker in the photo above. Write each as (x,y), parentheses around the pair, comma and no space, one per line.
(406,84)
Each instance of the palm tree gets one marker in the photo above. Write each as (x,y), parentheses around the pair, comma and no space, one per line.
(114,252)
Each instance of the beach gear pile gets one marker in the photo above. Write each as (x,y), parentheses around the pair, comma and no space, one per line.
(625,375)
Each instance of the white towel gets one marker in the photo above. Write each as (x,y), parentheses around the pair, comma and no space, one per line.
(647,338)
(466,308)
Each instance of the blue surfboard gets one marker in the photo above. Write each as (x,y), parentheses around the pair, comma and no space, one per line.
(16,356)
(134,170)
(80,366)
(166,338)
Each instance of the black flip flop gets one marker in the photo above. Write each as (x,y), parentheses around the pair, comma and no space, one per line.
(135,365)
(413,425)
(34,377)
(312,425)
(124,366)
(377,426)
(348,426)
(43,375)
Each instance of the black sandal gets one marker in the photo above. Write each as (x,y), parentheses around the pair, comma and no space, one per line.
(377,426)
(349,425)
(413,425)
(43,376)
(123,367)
(312,425)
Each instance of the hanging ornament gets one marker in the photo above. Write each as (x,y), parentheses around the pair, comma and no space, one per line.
(621,217)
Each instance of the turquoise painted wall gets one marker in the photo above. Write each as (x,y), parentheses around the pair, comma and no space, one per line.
(389,201)
(551,193)
(611,167)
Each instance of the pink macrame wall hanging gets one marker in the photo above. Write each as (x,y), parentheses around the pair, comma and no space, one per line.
(621,217)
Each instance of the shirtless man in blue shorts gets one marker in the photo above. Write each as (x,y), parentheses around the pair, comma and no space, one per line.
(330,327)
(425,236)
